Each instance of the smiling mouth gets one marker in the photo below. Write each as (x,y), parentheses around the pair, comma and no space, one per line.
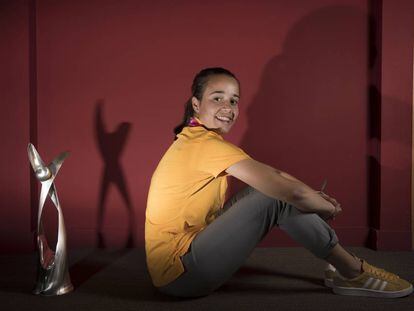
(225,119)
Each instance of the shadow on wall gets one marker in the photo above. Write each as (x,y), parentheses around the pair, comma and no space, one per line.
(311,90)
(319,109)
(111,145)
(311,104)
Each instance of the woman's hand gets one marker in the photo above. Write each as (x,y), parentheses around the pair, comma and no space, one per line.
(337,207)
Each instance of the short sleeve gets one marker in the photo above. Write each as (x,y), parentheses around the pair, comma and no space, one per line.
(216,155)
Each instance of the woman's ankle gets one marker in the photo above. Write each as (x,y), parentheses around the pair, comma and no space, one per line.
(354,271)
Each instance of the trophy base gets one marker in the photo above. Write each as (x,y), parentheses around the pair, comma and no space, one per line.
(54,291)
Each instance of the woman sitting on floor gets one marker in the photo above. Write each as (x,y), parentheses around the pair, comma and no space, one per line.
(195,243)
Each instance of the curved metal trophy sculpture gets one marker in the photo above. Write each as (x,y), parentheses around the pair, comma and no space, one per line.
(52,273)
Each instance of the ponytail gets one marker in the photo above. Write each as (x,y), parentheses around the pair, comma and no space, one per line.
(188,113)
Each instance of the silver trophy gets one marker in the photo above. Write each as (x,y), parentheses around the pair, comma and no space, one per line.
(52,273)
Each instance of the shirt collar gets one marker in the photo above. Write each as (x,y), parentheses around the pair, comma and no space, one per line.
(202,125)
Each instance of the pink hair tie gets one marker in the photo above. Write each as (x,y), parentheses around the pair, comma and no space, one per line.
(193,122)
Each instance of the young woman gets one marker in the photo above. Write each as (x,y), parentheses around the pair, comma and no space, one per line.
(194,242)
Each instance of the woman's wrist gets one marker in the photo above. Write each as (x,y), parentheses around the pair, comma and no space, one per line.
(333,214)
(312,202)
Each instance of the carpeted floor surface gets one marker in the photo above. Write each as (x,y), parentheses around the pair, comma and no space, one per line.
(271,279)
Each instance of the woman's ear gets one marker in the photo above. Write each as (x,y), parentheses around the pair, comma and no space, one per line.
(196,104)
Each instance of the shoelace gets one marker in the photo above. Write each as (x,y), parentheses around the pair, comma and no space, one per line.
(382,273)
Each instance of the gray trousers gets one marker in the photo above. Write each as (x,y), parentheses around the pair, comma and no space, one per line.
(219,250)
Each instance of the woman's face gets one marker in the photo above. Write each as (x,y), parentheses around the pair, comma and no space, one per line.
(218,108)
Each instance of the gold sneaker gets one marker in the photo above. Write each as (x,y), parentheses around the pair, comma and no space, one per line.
(330,271)
(372,282)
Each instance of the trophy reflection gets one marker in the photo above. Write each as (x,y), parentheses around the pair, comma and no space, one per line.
(52,269)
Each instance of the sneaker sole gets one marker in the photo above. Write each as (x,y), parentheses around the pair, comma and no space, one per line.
(353,291)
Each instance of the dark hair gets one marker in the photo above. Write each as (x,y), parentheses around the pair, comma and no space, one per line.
(197,90)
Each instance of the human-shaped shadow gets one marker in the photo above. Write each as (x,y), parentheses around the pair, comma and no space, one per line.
(310,111)
(111,145)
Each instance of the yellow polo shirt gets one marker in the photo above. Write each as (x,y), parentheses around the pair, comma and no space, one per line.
(187,188)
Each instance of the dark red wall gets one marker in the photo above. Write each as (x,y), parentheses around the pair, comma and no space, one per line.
(305,81)
(15,210)
(396,123)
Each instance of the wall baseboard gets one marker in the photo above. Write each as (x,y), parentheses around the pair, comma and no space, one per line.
(381,240)
(385,240)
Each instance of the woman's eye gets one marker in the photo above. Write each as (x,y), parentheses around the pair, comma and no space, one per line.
(232,101)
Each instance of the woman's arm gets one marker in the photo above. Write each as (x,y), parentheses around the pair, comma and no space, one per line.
(309,191)
(282,186)
(286,175)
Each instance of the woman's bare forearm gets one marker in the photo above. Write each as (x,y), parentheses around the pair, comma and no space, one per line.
(286,175)
(308,199)
(279,185)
